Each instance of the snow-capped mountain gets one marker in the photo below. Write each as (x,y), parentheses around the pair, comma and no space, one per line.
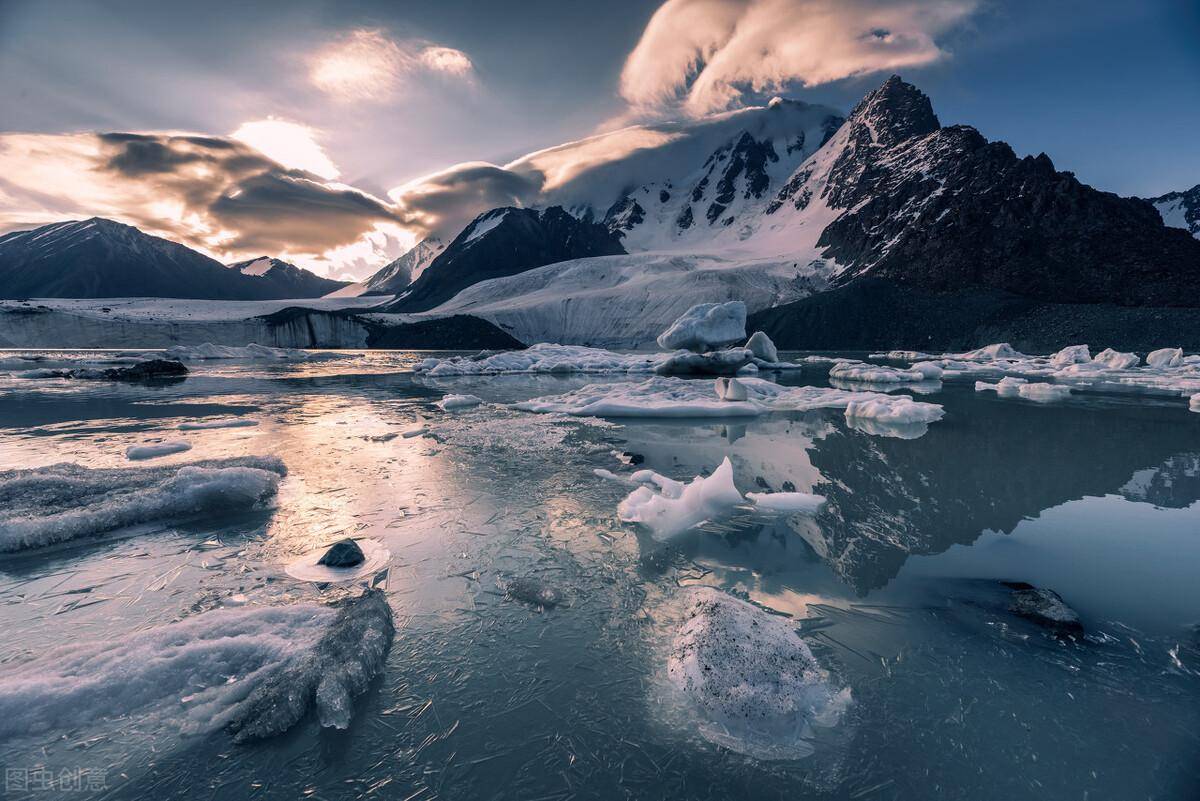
(1180,209)
(786,206)
(287,280)
(504,242)
(99,258)
(396,275)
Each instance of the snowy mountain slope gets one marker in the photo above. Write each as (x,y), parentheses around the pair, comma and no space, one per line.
(625,301)
(1180,209)
(396,275)
(287,280)
(504,242)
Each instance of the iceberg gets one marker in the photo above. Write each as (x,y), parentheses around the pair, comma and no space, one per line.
(755,685)
(668,507)
(452,402)
(895,409)
(871,373)
(65,501)
(706,326)
(1165,357)
(762,347)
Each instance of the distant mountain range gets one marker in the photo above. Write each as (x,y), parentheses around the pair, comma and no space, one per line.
(99,258)
(884,218)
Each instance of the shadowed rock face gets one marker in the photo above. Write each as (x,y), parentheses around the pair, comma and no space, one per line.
(505,242)
(343,553)
(943,208)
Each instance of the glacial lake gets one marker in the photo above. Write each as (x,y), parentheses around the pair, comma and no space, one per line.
(895,586)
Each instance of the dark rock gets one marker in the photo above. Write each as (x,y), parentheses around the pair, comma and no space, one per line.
(532,591)
(504,242)
(151,370)
(1044,607)
(343,553)
(632,458)
(717,363)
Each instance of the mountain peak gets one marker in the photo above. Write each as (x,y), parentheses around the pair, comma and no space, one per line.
(896,111)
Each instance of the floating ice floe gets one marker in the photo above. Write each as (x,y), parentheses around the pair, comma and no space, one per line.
(253,670)
(156,449)
(1166,371)
(873,373)
(706,327)
(896,409)
(451,402)
(309,568)
(252,352)
(1043,393)
(1194,403)
(787,502)
(223,422)
(542,358)
(676,397)
(753,683)
(46,505)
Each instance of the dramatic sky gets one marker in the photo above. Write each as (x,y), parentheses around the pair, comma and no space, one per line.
(335,134)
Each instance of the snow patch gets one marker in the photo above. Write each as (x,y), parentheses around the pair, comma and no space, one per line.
(452,402)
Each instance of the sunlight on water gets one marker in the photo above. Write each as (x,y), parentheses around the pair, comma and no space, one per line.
(489,692)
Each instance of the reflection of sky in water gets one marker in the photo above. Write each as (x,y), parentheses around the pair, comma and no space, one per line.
(1094,498)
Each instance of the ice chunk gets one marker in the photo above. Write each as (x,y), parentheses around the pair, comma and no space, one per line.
(308,567)
(706,326)
(350,652)
(898,409)
(989,353)
(1072,354)
(668,507)
(222,422)
(762,347)
(732,390)
(1165,357)
(65,501)
(787,502)
(1042,606)
(1115,360)
(872,373)
(754,683)
(1043,393)
(451,402)
(1008,387)
(156,449)
(257,669)
(1194,403)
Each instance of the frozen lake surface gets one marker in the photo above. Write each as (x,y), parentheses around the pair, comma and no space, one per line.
(539,640)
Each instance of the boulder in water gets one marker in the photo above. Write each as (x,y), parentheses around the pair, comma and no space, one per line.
(150,370)
(343,553)
(1044,607)
(532,591)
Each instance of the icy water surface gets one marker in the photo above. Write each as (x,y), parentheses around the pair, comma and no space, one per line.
(894,586)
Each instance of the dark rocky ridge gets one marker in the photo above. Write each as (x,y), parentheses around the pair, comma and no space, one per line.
(873,314)
(943,209)
(99,258)
(505,242)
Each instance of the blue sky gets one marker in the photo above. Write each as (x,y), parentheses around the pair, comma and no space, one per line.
(1110,90)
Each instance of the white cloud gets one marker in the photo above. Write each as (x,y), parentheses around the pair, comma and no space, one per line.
(366,64)
(706,54)
(289,143)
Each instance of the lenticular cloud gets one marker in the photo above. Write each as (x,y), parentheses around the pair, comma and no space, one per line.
(707,53)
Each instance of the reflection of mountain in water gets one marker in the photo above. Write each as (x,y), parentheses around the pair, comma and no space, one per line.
(1175,484)
(889,498)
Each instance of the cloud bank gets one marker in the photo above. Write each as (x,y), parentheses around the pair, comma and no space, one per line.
(706,55)
(216,194)
(367,65)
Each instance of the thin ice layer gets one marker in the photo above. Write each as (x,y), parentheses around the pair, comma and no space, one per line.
(66,501)
(754,683)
